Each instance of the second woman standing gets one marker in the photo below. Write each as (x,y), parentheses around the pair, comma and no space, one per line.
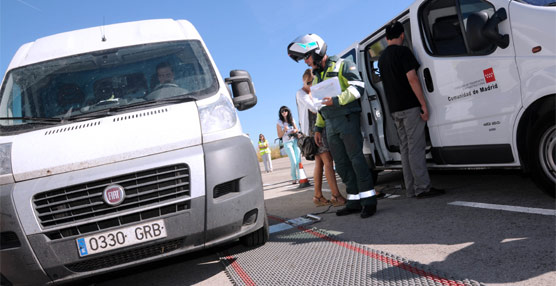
(287,130)
(307,109)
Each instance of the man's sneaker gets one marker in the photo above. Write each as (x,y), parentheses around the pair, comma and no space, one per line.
(347,211)
(368,211)
(433,192)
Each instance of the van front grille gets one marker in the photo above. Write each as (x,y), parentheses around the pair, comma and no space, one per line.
(85,201)
(132,218)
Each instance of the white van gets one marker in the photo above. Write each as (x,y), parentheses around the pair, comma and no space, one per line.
(121,145)
(488,70)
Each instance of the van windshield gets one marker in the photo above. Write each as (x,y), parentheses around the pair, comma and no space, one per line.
(103,83)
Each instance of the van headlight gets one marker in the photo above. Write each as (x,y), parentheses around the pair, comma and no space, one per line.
(217,116)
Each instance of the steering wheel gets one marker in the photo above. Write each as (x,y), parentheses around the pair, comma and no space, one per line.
(164,85)
(165,90)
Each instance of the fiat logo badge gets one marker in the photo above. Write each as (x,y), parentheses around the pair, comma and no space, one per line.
(113,195)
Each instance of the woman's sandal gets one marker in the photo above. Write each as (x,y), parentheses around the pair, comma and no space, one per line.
(320,201)
(338,201)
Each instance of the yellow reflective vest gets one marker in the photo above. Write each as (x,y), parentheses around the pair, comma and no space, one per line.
(263,147)
(352,87)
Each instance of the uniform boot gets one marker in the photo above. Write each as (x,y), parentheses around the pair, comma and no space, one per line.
(347,211)
(368,211)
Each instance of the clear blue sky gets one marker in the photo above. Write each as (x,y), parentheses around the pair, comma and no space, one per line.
(240,34)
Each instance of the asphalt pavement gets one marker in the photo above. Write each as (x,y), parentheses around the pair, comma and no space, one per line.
(494,227)
(492,246)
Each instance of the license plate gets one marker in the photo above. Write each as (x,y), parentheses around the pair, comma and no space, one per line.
(122,237)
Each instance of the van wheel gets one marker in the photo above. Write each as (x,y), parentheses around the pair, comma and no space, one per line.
(258,237)
(543,155)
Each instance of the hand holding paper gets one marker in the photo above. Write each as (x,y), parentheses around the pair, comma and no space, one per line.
(327,88)
(327,101)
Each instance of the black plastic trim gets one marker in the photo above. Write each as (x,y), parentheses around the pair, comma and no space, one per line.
(9,239)
(473,154)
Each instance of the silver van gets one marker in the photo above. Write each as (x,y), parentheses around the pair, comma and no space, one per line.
(121,145)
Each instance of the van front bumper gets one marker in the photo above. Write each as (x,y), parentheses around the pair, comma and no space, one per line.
(204,219)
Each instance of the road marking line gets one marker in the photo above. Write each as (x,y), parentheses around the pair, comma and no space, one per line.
(240,271)
(291,187)
(513,239)
(505,208)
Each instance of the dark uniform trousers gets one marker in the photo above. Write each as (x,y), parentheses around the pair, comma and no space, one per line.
(346,145)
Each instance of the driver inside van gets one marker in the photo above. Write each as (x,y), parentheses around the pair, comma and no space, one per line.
(164,73)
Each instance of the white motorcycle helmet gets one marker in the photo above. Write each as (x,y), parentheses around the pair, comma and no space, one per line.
(309,44)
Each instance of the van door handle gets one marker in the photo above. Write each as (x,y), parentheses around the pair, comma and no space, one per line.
(428,80)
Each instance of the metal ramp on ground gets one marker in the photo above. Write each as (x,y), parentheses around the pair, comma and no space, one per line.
(301,255)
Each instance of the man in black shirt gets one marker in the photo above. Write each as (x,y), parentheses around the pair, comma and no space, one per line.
(398,69)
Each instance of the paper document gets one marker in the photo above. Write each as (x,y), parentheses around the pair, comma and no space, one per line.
(328,88)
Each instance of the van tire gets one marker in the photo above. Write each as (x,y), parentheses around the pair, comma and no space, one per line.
(543,154)
(258,237)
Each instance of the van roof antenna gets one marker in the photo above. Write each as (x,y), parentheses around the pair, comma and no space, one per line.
(102,31)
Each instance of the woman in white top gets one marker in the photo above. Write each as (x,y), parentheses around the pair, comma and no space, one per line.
(307,108)
(287,130)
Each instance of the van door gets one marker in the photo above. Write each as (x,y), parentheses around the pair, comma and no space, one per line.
(473,92)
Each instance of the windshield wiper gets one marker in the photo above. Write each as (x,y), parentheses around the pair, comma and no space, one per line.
(156,102)
(35,120)
(109,111)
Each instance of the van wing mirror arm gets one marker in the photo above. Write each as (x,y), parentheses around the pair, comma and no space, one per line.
(490,30)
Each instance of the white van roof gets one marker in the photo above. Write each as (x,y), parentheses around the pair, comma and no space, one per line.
(91,39)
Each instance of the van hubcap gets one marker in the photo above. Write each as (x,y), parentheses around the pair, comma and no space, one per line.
(547,153)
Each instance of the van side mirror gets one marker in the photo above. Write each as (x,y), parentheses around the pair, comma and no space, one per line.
(483,32)
(243,91)
(475,37)
(491,29)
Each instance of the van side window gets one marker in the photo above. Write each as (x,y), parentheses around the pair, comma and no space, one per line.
(407,31)
(350,56)
(375,50)
(444,25)
(12,105)
(373,53)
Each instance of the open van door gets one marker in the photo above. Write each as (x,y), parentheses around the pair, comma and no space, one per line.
(384,131)
(470,79)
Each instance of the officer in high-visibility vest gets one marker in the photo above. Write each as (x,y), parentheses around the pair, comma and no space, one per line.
(264,150)
(340,116)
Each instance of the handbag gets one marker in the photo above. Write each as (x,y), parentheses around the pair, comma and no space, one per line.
(281,145)
(308,147)
(280,142)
